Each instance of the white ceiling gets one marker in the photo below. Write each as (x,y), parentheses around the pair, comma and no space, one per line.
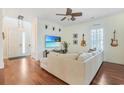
(50,13)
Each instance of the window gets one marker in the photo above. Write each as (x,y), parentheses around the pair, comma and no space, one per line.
(97,38)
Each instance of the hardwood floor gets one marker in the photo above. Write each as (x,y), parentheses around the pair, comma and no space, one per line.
(109,74)
(28,71)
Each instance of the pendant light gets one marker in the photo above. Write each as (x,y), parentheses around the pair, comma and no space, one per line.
(20,21)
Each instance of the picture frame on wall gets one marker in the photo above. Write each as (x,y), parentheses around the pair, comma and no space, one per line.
(75,35)
(75,42)
(59,30)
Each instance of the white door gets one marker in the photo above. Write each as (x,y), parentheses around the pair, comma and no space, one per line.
(19,43)
(25,43)
(11,43)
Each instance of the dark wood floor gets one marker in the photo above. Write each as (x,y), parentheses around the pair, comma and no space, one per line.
(27,71)
(109,74)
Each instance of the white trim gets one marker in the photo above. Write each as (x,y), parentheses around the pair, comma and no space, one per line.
(2,66)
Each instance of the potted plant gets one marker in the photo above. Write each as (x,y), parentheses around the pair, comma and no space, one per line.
(65,47)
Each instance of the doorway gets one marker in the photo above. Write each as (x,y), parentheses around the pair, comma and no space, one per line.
(17,41)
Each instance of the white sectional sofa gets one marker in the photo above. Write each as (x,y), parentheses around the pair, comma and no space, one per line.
(73,68)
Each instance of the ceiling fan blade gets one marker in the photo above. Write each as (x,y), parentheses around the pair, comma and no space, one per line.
(77,14)
(61,14)
(69,11)
(63,18)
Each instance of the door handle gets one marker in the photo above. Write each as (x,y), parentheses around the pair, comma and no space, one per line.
(20,45)
(3,35)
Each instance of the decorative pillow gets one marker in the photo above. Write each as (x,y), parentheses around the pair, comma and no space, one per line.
(84,56)
(91,50)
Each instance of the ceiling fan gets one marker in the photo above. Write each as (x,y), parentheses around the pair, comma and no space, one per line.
(69,15)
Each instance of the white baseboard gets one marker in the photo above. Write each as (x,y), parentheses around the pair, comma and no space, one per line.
(2,66)
(5,58)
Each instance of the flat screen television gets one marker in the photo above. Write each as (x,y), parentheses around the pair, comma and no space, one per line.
(52,41)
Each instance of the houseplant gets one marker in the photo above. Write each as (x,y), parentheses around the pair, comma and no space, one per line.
(64,46)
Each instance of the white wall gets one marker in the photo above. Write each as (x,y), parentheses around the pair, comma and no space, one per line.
(39,33)
(34,39)
(1,42)
(111,54)
(79,29)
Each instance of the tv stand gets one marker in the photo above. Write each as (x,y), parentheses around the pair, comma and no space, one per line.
(59,51)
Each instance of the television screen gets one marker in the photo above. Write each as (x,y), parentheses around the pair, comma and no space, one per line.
(52,41)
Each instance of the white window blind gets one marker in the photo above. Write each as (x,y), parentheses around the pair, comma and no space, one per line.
(97,38)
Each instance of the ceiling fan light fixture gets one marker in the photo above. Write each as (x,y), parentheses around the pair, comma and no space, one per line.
(68,17)
(72,18)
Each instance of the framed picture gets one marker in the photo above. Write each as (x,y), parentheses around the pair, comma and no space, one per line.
(75,42)
(75,35)
(59,29)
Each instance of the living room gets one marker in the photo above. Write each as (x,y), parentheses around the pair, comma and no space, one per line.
(71,39)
